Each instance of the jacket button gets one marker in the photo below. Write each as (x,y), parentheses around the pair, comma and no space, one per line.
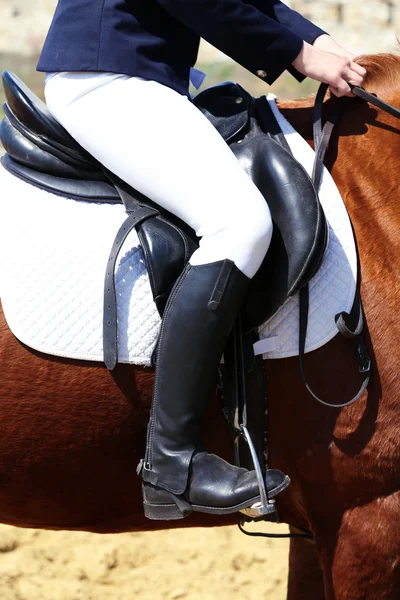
(261,74)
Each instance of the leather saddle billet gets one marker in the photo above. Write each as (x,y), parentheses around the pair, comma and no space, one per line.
(41,152)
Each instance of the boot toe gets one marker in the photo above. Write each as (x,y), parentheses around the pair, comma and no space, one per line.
(276,482)
(216,483)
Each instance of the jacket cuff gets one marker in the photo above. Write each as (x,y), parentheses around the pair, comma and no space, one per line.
(296,74)
(273,66)
(316,34)
(311,39)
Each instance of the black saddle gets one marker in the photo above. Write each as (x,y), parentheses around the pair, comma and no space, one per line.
(40,152)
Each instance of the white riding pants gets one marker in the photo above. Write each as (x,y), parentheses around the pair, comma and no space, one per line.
(158,142)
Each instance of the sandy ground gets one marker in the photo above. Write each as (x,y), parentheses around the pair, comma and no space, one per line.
(192,564)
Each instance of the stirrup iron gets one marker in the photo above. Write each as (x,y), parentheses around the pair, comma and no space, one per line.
(266,505)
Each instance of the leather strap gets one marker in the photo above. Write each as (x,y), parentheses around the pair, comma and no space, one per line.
(362,356)
(373,99)
(340,105)
(137,215)
(245,373)
(130,202)
(322,135)
(321,140)
(317,114)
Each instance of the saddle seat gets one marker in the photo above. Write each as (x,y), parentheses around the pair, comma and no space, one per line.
(40,152)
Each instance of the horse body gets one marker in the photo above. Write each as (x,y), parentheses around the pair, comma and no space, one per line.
(73,433)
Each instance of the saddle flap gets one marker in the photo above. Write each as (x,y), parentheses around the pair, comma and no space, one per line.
(291,197)
(299,232)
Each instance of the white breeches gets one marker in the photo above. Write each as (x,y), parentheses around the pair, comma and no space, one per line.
(162,145)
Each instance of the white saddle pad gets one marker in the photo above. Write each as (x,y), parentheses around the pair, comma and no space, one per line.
(54,255)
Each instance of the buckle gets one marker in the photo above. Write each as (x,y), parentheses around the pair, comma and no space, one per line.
(140,466)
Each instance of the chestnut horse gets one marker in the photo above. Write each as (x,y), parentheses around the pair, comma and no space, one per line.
(72,433)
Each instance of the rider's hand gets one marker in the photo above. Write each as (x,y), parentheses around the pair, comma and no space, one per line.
(326,43)
(327,67)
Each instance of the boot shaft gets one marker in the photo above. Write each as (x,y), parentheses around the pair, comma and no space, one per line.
(198,318)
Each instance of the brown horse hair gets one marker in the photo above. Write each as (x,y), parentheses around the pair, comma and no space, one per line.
(383,73)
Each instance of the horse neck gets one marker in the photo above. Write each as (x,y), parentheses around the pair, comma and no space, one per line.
(363,160)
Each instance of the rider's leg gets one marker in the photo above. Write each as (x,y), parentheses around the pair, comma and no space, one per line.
(159,143)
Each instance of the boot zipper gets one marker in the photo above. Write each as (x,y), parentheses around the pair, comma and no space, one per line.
(146,462)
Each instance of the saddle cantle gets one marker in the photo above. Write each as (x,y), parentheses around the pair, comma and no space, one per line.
(42,153)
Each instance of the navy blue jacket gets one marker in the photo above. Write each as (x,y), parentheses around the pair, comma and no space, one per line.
(159,39)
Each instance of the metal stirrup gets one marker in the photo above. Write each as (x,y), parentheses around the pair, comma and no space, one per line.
(266,505)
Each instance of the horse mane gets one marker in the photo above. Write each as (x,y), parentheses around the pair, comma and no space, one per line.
(383,73)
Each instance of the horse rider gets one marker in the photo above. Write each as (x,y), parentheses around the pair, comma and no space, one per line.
(117,80)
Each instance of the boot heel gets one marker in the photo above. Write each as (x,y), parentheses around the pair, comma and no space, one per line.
(163,512)
(160,505)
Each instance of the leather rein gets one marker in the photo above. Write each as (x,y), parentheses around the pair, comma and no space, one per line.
(322,135)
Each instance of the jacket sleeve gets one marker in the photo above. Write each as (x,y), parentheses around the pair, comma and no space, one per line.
(292,20)
(288,18)
(242,31)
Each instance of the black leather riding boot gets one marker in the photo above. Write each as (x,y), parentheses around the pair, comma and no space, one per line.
(178,474)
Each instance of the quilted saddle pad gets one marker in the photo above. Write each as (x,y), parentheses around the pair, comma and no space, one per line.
(54,255)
